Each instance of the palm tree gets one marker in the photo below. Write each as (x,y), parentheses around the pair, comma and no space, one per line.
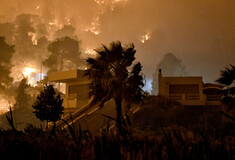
(114,77)
(227,78)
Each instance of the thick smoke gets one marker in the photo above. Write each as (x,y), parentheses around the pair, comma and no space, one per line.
(170,66)
(201,33)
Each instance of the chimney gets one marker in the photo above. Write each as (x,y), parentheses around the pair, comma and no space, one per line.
(160,73)
(159,81)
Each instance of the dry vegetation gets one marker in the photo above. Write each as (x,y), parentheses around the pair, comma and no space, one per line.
(36,144)
(172,142)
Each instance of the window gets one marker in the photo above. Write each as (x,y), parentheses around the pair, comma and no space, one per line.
(184,89)
(191,92)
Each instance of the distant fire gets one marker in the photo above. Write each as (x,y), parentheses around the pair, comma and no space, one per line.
(90,52)
(28,71)
(34,37)
(94,28)
(38,7)
(145,37)
(55,24)
(32,75)
(100,1)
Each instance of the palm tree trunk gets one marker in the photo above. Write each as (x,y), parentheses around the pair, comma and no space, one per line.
(53,130)
(47,125)
(118,103)
(119,118)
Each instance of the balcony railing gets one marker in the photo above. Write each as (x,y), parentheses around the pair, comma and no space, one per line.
(181,97)
(213,97)
(192,96)
(176,97)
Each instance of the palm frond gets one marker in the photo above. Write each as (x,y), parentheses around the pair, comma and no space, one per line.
(113,77)
(227,76)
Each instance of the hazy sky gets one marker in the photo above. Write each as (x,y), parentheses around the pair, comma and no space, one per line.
(200,32)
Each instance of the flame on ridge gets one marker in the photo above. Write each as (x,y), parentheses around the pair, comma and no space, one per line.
(145,37)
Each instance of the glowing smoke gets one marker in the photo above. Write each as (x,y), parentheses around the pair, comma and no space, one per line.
(4,105)
(195,31)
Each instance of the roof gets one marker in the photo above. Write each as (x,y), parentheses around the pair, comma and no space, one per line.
(212,85)
(67,76)
(182,80)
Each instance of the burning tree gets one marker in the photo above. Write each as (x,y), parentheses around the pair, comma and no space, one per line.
(114,77)
(48,106)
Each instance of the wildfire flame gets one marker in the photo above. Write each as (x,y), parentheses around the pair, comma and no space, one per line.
(145,37)
(100,1)
(34,38)
(90,51)
(28,71)
(94,28)
(30,74)
(56,24)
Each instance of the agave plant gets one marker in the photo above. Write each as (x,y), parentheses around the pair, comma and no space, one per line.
(10,119)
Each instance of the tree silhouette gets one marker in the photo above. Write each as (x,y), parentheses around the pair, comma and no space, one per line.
(171,66)
(48,105)
(65,53)
(227,78)
(114,77)
(23,110)
(23,99)
(6,52)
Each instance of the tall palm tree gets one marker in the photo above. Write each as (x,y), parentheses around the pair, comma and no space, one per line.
(114,77)
(227,78)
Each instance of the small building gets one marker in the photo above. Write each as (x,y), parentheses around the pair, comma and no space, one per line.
(189,91)
(212,93)
(77,103)
(77,87)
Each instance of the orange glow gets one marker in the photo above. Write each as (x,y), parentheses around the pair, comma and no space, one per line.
(145,37)
(90,51)
(28,71)
(4,105)
(94,28)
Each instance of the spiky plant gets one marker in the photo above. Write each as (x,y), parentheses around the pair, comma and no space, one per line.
(227,78)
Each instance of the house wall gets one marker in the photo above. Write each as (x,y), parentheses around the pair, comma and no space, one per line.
(76,94)
(63,76)
(191,92)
